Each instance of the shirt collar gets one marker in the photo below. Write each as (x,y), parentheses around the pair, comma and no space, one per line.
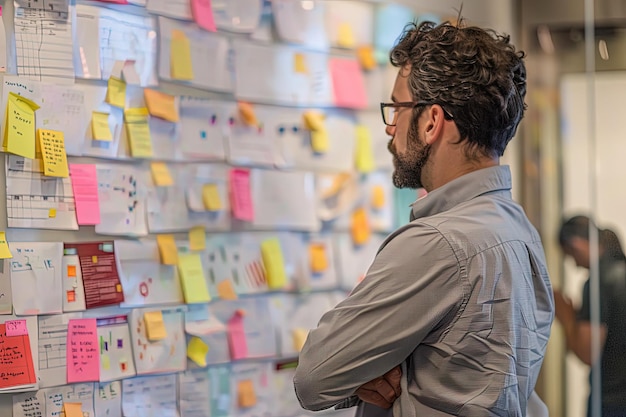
(461,189)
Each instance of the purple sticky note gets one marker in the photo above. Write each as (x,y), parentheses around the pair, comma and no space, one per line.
(120,343)
(16,327)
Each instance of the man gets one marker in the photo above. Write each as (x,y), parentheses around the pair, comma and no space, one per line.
(460,297)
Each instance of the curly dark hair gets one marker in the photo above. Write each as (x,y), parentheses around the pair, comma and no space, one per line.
(475,74)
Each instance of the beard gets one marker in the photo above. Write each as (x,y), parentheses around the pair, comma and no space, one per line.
(409,166)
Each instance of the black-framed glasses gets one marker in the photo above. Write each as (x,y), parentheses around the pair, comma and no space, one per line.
(390,111)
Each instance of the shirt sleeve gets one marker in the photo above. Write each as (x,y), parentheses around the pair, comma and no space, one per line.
(413,283)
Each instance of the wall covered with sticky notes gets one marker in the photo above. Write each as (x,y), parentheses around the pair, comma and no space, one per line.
(190,185)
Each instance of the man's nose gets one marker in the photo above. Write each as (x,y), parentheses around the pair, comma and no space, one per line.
(390,130)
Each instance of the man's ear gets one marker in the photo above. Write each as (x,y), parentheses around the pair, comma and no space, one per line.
(433,124)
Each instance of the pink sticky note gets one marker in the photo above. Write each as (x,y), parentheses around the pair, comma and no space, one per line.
(202,13)
(348,83)
(16,327)
(241,199)
(83,357)
(85,186)
(237,343)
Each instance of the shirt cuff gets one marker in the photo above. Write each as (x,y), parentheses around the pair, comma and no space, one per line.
(348,402)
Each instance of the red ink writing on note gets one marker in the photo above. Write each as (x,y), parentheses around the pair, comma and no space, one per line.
(16,360)
(237,343)
(83,358)
(85,188)
(16,327)
(202,13)
(348,83)
(241,199)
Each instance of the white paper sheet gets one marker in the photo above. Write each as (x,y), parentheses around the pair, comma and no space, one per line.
(94,101)
(73,286)
(358,16)
(201,175)
(36,277)
(150,396)
(306,279)
(193,389)
(212,332)
(282,84)
(205,125)
(177,9)
(61,108)
(76,393)
(144,279)
(240,16)
(167,206)
(29,404)
(108,399)
(121,189)
(52,349)
(116,36)
(258,374)
(35,201)
(167,355)
(209,74)
(301,22)
(43,41)
(6,296)
(284,200)
(116,355)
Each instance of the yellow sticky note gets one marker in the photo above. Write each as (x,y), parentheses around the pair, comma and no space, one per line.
(5,252)
(161,174)
(360,227)
(155,327)
(52,213)
(364,154)
(161,105)
(313,120)
(366,57)
(247,114)
(138,132)
(116,93)
(105,362)
(73,409)
(167,249)
(19,128)
(197,238)
(345,36)
(181,65)
(320,141)
(94,259)
(246,397)
(100,129)
(299,337)
(211,197)
(197,350)
(318,258)
(52,146)
(378,197)
(274,263)
(299,63)
(226,291)
(191,271)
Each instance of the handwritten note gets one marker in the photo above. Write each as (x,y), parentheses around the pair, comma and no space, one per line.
(237,344)
(116,93)
(155,326)
(195,289)
(16,327)
(84,179)
(274,263)
(19,128)
(197,350)
(364,153)
(202,13)
(211,197)
(16,361)
(197,238)
(83,358)
(5,252)
(100,129)
(138,132)
(181,65)
(52,145)
(167,249)
(246,396)
(242,206)
(226,291)
(348,83)
(360,227)
(161,105)
(317,258)
(161,174)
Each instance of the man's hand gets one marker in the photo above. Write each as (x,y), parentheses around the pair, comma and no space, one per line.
(382,391)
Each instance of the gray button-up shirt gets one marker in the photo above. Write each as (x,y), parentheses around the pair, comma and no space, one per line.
(460,297)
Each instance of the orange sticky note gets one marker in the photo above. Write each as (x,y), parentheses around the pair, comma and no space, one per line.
(181,64)
(155,327)
(378,197)
(71,296)
(71,271)
(73,409)
(161,105)
(161,174)
(226,291)
(299,63)
(246,397)
(317,258)
(247,114)
(360,227)
(94,259)
(167,249)
(211,197)
(366,57)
